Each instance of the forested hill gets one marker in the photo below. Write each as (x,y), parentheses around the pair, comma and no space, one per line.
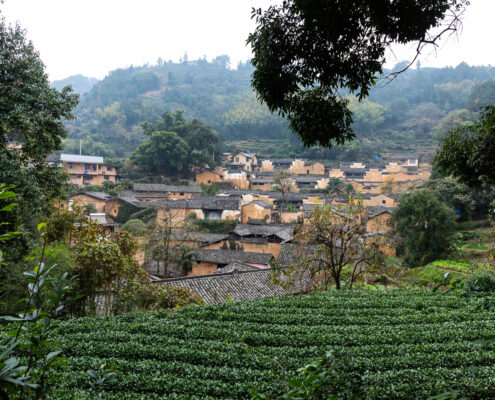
(80,84)
(412,110)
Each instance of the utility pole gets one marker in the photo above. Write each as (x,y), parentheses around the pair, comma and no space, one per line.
(80,146)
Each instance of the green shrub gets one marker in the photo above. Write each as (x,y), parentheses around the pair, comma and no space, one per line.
(482,281)
(135,226)
(137,295)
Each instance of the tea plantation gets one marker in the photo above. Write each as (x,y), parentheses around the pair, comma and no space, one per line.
(406,345)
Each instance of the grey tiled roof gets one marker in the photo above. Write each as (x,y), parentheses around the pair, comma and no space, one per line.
(195,202)
(282,231)
(239,286)
(201,237)
(96,195)
(262,181)
(263,204)
(235,266)
(288,255)
(152,187)
(229,256)
(375,211)
(264,173)
(138,195)
(249,155)
(309,179)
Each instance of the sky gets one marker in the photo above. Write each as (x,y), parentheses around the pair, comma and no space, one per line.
(94,37)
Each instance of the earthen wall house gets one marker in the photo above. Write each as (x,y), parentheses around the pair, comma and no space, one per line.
(249,161)
(380,222)
(256,210)
(203,268)
(208,177)
(97,199)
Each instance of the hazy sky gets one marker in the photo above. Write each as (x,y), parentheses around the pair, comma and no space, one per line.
(93,37)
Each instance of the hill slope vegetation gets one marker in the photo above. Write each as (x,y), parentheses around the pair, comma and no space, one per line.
(412,111)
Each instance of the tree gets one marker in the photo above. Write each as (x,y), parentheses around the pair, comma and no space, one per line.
(425,225)
(305,52)
(184,257)
(175,145)
(164,152)
(388,185)
(367,116)
(104,263)
(336,187)
(32,118)
(283,183)
(334,244)
(482,95)
(467,202)
(468,152)
(163,235)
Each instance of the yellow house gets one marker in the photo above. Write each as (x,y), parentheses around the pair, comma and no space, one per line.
(97,199)
(256,210)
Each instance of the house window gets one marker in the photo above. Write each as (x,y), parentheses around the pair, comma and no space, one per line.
(71,166)
(109,168)
(182,193)
(106,177)
(237,159)
(412,161)
(384,202)
(87,166)
(307,171)
(209,181)
(94,167)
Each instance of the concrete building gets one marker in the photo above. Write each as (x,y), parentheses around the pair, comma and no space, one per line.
(87,170)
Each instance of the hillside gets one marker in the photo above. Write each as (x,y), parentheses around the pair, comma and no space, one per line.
(80,84)
(404,344)
(410,112)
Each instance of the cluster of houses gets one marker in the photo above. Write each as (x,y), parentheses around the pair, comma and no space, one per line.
(236,265)
(246,171)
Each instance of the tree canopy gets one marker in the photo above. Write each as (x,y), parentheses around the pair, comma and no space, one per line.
(307,52)
(32,116)
(468,152)
(174,145)
(425,225)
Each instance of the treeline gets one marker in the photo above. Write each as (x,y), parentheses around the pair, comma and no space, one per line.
(415,109)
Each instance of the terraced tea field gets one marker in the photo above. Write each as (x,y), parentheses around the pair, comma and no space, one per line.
(406,344)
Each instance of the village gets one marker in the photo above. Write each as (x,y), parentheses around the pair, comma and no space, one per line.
(269,200)
(264,204)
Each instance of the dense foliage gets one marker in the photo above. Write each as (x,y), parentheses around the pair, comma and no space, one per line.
(174,145)
(415,109)
(425,225)
(307,53)
(468,152)
(32,117)
(405,345)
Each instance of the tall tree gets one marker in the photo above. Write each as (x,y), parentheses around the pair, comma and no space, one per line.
(305,52)
(175,145)
(334,244)
(425,225)
(468,152)
(32,118)
(164,152)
